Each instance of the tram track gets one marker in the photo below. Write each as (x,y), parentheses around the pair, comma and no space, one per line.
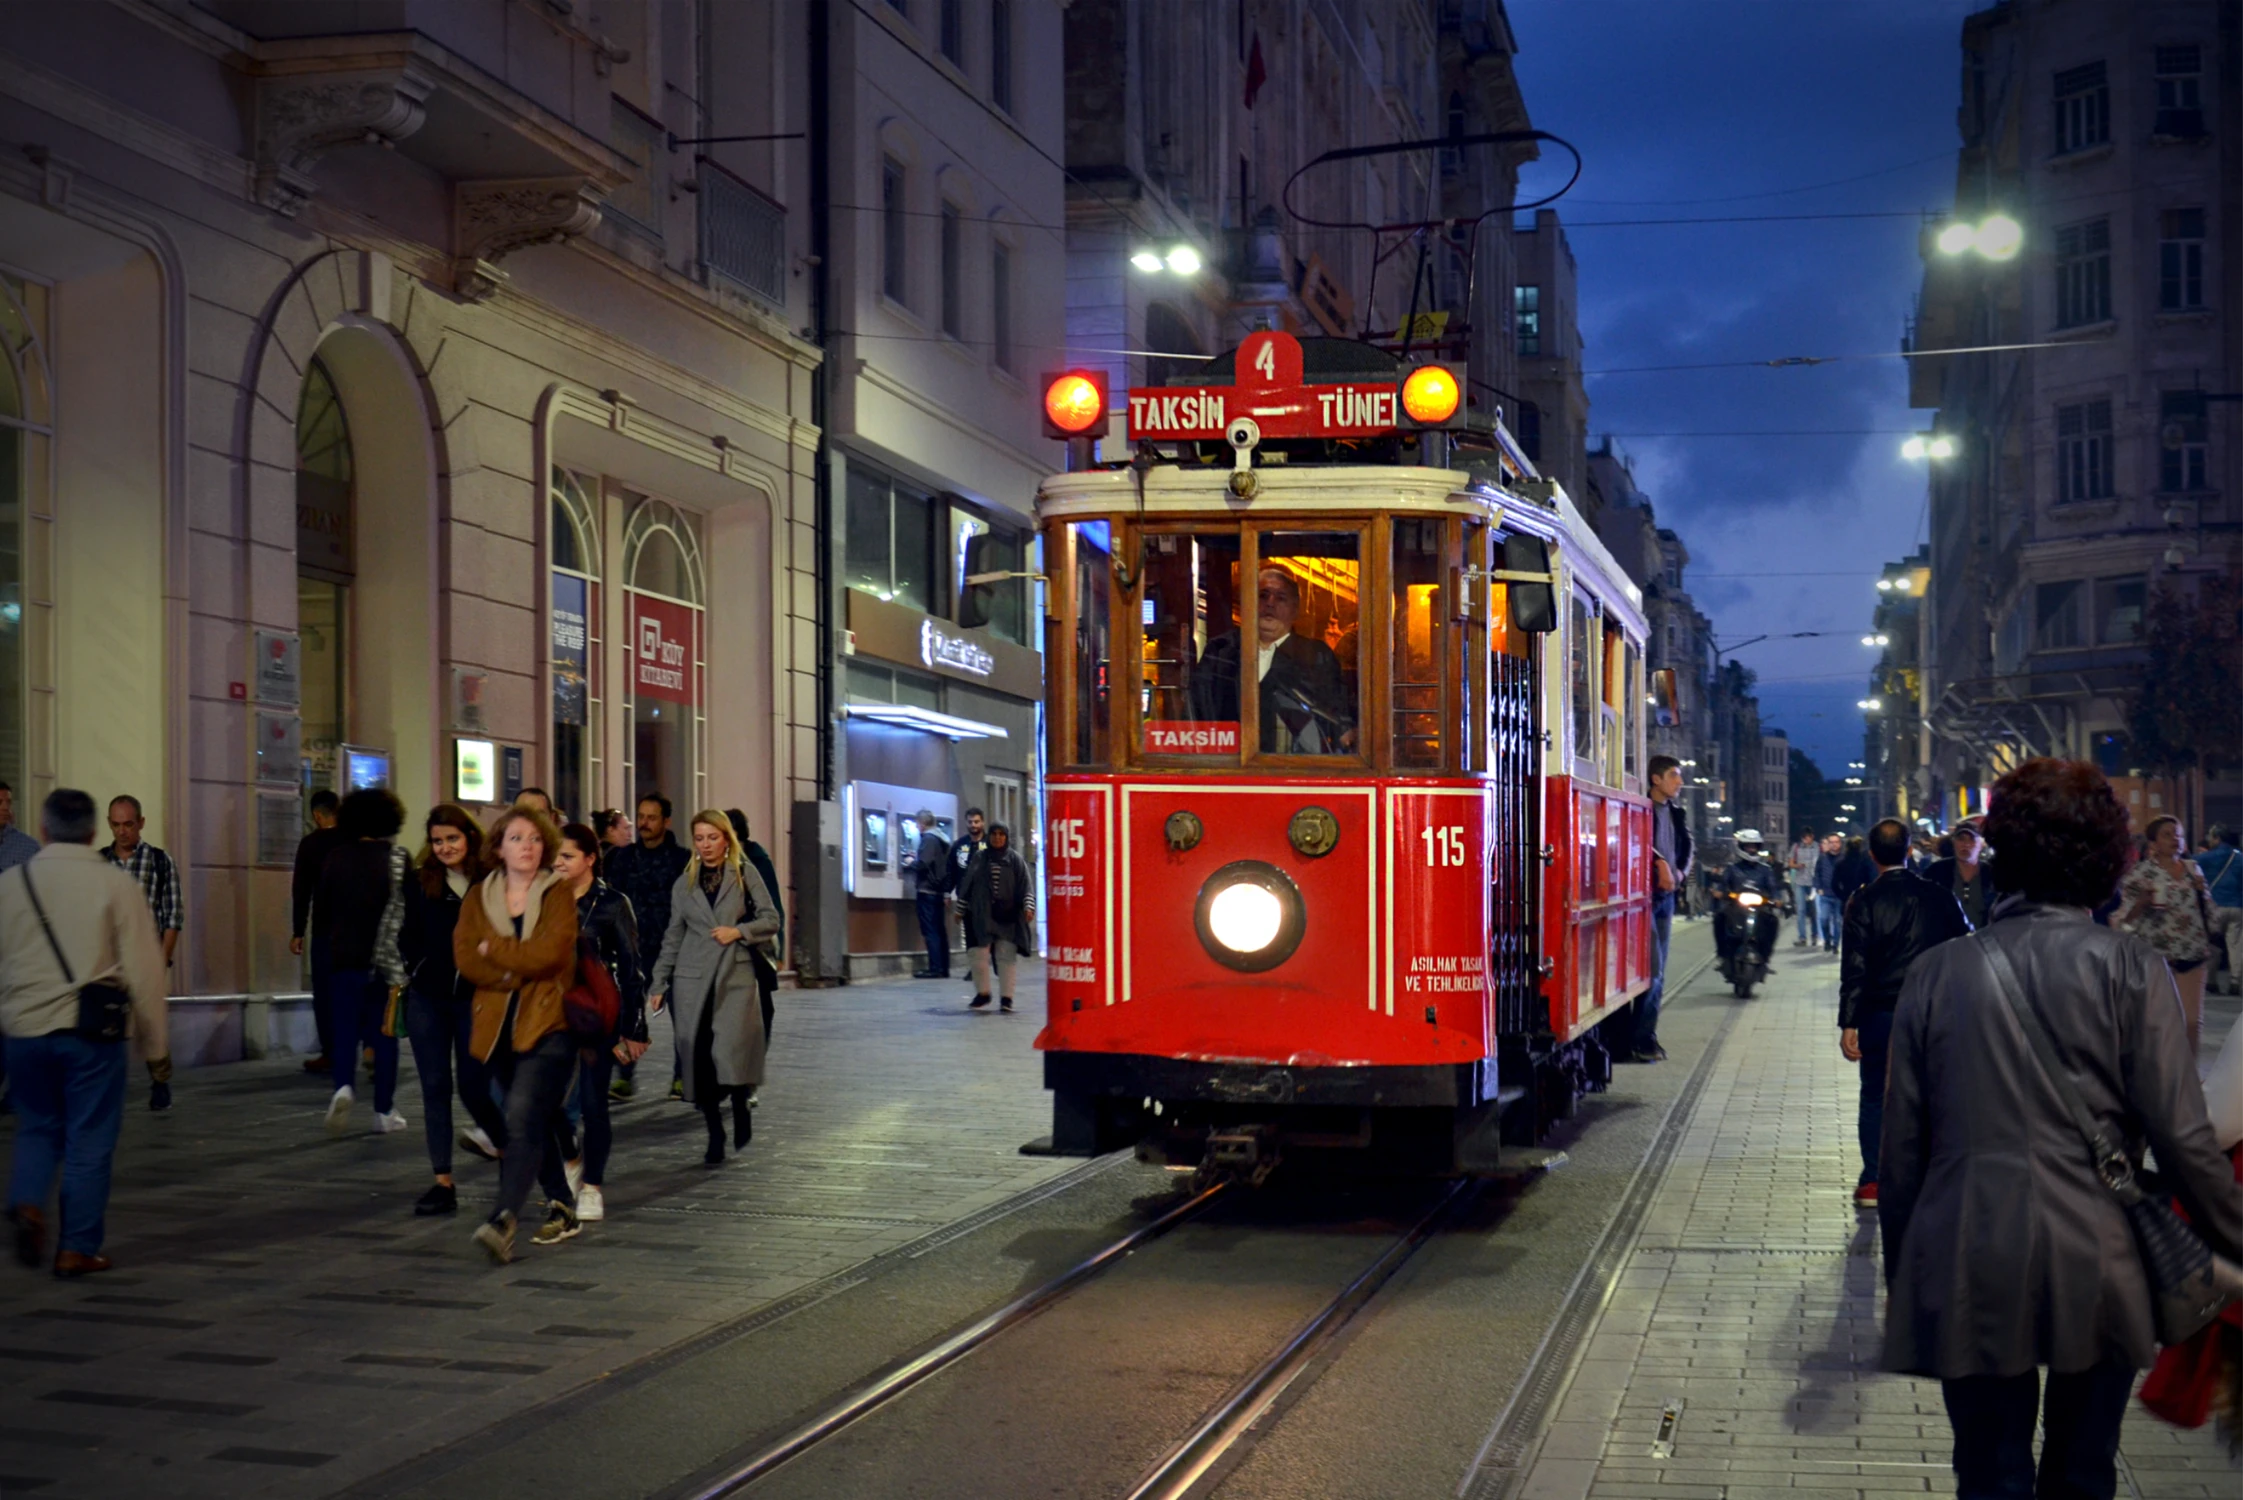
(1182,1468)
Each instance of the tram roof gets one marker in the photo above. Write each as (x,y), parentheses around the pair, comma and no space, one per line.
(1180,491)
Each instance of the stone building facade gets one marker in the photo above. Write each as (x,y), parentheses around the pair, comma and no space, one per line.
(2091,472)
(400,402)
(1553,406)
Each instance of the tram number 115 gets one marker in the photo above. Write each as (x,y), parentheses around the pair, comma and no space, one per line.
(1444,847)
(1067,841)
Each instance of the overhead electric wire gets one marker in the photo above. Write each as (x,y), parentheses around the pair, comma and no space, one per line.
(1814,187)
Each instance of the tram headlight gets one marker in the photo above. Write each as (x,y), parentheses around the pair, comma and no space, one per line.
(1244,917)
(1249,916)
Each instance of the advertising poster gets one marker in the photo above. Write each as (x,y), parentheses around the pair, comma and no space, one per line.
(571,651)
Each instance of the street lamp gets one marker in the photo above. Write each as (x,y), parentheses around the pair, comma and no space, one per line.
(1928,445)
(1876,640)
(1997,237)
(1870,705)
(1181,260)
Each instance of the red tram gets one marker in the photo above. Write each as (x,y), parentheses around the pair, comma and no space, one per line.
(1377,894)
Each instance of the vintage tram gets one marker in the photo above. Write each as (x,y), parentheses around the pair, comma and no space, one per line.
(1345,848)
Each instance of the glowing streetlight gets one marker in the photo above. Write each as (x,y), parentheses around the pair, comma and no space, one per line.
(1932,445)
(1178,260)
(1876,640)
(1997,237)
(1184,261)
(1870,705)
(1146,260)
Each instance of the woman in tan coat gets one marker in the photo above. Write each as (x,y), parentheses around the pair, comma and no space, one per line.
(516,943)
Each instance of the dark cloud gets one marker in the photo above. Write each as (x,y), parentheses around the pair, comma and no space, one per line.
(1728,106)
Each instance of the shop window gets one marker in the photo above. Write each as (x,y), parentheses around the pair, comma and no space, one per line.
(1307,617)
(326,564)
(1093,596)
(663,600)
(1420,644)
(24,435)
(891,546)
(868,682)
(1188,689)
(2118,606)
(575,641)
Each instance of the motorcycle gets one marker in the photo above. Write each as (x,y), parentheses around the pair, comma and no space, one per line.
(1749,926)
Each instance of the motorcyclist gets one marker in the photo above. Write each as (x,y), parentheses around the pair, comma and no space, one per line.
(1750,871)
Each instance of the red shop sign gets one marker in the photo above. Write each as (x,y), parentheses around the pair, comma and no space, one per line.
(662,650)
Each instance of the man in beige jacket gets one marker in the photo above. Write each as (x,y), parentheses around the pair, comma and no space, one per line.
(69,1088)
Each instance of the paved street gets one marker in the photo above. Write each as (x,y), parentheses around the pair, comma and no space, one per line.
(280,1326)
(279,1323)
(1750,1303)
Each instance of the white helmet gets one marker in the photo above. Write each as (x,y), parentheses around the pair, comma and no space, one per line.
(1749,836)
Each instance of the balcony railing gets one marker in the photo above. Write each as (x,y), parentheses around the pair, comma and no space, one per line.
(743,237)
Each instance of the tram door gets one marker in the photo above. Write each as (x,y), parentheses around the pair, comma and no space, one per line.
(1512,697)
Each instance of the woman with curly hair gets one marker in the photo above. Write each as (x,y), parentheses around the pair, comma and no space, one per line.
(2004,1251)
(2164,901)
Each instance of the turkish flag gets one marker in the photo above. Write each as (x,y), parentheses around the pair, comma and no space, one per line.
(1256,73)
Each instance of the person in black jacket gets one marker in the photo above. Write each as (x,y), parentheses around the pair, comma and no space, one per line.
(358,909)
(1964,872)
(967,847)
(603,914)
(930,878)
(1890,923)
(311,856)
(645,872)
(1855,870)
(440,1006)
(1670,868)
(1000,897)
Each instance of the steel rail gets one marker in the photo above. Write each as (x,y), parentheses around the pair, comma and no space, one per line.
(883,1389)
(1189,1461)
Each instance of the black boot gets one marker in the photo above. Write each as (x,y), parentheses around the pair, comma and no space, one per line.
(743,1121)
(715,1154)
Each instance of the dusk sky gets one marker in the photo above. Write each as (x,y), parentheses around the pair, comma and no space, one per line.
(1725,109)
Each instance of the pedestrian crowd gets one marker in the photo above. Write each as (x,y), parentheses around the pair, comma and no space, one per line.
(984,883)
(2023,998)
(519,959)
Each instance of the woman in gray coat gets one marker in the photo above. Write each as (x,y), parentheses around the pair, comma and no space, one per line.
(719,912)
(2003,1250)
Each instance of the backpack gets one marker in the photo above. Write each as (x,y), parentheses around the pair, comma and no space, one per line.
(593,1005)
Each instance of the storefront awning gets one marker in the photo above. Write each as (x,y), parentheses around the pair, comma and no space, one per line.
(905,716)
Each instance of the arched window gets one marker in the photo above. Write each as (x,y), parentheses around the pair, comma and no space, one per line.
(666,649)
(574,548)
(24,435)
(325,568)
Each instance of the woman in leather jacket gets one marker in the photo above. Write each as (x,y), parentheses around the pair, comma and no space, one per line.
(440,1006)
(2004,1250)
(604,915)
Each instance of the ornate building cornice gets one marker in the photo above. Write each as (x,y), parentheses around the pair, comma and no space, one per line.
(494,218)
(301,117)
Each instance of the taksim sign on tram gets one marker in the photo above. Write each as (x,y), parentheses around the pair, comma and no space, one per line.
(1269,388)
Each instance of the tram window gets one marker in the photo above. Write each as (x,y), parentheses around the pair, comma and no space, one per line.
(1631,699)
(1094,575)
(1420,643)
(1306,603)
(1187,701)
(1615,697)
(1588,649)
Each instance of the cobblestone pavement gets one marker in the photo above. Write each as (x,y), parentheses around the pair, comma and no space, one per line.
(279,1324)
(1750,1305)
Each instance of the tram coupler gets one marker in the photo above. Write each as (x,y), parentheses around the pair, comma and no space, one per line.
(1248,1153)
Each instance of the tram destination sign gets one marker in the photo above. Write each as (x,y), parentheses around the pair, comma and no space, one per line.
(1269,389)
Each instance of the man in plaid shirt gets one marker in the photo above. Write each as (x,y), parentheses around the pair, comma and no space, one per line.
(144,862)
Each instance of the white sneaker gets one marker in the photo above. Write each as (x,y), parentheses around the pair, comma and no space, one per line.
(589,1204)
(338,1109)
(574,1171)
(476,1140)
(389,1124)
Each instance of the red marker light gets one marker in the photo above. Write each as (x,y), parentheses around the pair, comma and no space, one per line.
(1431,395)
(1074,404)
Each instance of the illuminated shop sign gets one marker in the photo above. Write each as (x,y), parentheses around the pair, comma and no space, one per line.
(939,648)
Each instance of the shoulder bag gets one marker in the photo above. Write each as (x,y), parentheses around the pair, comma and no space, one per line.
(2184,1289)
(104,1010)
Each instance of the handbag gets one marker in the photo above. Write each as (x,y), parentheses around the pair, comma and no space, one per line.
(104,1010)
(2184,1290)
(593,1004)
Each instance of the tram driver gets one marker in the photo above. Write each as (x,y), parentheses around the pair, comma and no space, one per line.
(1306,706)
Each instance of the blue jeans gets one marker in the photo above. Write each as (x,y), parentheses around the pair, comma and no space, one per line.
(70,1104)
(1993,1416)
(1803,899)
(934,931)
(1833,917)
(360,997)
(1875,1033)
(1647,1008)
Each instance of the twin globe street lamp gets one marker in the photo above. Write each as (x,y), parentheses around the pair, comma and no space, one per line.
(1997,237)
(1179,260)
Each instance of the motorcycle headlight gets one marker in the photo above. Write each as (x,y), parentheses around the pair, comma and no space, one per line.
(1748,898)
(1250,916)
